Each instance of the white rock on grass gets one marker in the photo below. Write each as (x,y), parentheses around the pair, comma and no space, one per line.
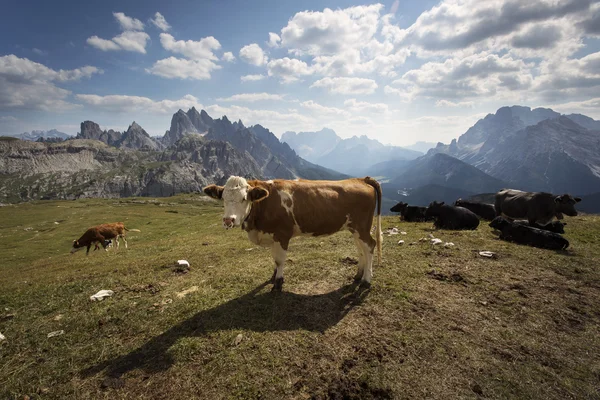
(101,295)
(449,244)
(56,333)
(400,242)
(436,241)
(2,337)
(488,254)
(183,263)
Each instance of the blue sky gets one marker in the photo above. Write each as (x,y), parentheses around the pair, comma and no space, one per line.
(397,71)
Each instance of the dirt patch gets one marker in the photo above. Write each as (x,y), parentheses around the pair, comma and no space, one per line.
(452,277)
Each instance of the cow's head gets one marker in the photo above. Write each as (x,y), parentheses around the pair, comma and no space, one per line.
(565,204)
(76,246)
(399,207)
(459,203)
(434,209)
(238,197)
(499,223)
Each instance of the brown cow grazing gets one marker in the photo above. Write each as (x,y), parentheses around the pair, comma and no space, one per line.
(273,212)
(537,207)
(101,234)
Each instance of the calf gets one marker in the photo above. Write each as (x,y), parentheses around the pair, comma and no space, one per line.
(554,226)
(101,234)
(485,211)
(451,217)
(536,207)
(528,235)
(273,212)
(410,213)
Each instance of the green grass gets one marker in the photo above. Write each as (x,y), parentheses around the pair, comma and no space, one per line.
(437,322)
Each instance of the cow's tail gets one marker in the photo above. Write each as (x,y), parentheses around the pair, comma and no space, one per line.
(379,237)
(132,230)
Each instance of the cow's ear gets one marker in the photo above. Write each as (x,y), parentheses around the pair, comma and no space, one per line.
(214,191)
(577,199)
(257,193)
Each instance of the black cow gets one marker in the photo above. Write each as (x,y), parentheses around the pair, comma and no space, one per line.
(528,235)
(554,226)
(485,211)
(410,213)
(451,217)
(536,207)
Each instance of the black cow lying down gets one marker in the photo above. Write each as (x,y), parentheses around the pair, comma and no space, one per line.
(410,213)
(451,217)
(554,226)
(485,211)
(527,235)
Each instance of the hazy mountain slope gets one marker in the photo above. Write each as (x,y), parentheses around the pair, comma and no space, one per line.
(35,135)
(312,145)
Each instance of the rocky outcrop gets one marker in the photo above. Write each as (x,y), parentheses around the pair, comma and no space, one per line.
(51,135)
(135,137)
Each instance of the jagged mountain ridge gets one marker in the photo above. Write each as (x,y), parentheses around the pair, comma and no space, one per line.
(538,149)
(135,137)
(45,135)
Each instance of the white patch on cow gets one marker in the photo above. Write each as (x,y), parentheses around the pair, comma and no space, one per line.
(347,223)
(286,198)
(270,181)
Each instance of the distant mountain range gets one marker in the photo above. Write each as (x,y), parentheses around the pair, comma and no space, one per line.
(353,156)
(45,135)
(517,147)
(196,151)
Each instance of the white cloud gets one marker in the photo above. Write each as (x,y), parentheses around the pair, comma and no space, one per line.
(329,32)
(129,41)
(590,107)
(228,57)
(39,52)
(252,78)
(347,85)
(252,97)
(274,40)
(160,22)
(578,77)
(321,110)
(26,84)
(126,104)
(195,50)
(451,104)
(363,106)
(8,118)
(253,54)
(183,69)
(288,69)
(128,23)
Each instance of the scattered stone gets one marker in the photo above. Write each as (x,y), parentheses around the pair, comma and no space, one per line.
(184,293)
(56,333)
(392,231)
(58,317)
(400,242)
(431,236)
(412,243)
(101,295)
(238,339)
(43,390)
(2,337)
(483,303)
(56,222)
(436,241)
(183,263)
(6,317)
(449,244)
(488,254)
(403,233)
(250,249)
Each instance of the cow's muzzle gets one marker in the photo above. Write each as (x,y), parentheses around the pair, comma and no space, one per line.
(228,222)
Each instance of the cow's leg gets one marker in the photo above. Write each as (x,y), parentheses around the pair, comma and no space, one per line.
(362,260)
(125,240)
(87,253)
(117,241)
(368,245)
(279,252)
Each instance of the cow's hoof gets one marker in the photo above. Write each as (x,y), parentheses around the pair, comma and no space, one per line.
(365,284)
(278,285)
(273,277)
(357,278)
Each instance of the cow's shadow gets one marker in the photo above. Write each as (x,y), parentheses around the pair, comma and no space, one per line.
(255,311)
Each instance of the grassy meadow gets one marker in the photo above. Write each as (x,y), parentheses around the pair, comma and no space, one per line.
(439,323)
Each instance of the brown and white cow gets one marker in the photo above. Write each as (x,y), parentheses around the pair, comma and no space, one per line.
(101,234)
(272,212)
